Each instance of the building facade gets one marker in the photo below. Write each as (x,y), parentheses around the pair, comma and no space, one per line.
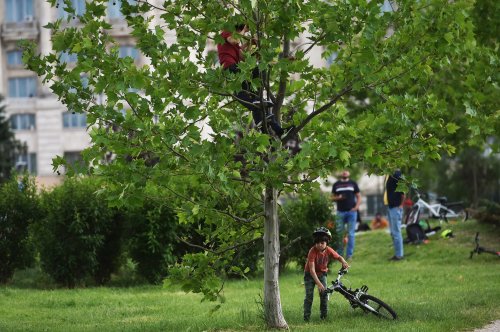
(36,115)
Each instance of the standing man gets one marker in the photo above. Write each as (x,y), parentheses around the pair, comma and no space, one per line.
(346,193)
(394,200)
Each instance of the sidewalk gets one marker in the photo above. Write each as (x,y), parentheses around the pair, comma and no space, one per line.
(493,327)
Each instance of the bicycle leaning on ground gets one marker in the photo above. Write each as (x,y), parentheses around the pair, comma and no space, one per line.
(479,250)
(359,298)
(441,210)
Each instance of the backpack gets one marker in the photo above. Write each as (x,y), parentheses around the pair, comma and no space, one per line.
(415,234)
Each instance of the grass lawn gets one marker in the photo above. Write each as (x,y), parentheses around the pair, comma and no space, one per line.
(436,288)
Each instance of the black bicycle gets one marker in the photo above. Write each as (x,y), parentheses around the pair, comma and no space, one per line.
(479,250)
(360,299)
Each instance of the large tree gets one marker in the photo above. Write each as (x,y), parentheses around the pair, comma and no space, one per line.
(183,132)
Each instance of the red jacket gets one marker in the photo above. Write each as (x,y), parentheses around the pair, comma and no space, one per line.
(228,53)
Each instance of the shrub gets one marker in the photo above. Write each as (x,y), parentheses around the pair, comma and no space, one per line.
(18,209)
(299,217)
(488,212)
(151,236)
(79,237)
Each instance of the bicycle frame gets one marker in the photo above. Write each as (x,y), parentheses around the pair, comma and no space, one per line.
(359,298)
(352,296)
(479,250)
(437,210)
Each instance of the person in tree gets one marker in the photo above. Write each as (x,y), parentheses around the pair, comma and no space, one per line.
(348,197)
(230,54)
(316,269)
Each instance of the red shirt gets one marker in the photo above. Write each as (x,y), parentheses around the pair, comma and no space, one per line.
(320,259)
(228,53)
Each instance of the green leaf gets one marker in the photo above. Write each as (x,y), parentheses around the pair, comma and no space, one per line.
(452,128)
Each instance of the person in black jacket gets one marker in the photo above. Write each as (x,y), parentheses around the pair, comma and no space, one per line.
(394,201)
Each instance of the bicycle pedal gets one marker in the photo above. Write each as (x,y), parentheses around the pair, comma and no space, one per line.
(364,288)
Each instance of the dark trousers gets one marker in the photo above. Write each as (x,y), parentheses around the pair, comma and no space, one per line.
(247,96)
(309,285)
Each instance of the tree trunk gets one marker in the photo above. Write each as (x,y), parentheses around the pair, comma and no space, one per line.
(272,301)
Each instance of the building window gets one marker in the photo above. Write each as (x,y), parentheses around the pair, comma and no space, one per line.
(114,8)
(128,50)
(26,163)
(14,58)
(68,57)
(74,159)
(374,204)
(74,120)
(22,87)
(22,121)
(19,10)
(78,6)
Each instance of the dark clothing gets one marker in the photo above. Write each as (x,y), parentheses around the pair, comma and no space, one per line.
(309,285)
(228,53)
(394,198)
(247,97)
(348,189)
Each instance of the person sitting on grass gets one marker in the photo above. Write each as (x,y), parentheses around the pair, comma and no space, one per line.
(379,222)
(316,269)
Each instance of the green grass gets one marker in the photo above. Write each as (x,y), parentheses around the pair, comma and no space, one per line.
(437,288)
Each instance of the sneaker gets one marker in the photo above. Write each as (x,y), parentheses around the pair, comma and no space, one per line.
(286,131)
(396,258)
(266,103)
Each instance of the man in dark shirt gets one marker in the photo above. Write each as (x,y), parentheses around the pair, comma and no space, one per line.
(394,201)
(347,195)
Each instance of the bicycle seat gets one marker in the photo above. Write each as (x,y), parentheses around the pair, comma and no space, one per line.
(442,200)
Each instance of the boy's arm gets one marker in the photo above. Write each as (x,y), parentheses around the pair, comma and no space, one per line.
(312,270)
(345,265)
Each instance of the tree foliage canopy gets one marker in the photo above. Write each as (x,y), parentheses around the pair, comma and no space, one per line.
(178,131)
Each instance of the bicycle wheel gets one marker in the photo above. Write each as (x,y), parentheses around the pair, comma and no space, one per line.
(413,216)
(377,307)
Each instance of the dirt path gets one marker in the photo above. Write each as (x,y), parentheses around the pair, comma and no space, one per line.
(493,327)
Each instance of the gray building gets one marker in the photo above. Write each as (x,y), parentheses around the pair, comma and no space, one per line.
(36,116)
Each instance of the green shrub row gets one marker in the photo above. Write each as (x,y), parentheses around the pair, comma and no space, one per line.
(79,239)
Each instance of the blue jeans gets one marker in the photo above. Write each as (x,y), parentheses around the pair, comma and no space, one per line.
(309,285)
(395,215)
(349,218)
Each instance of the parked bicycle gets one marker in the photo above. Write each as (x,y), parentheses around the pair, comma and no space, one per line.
(442,210)
(479,250)
(360,299)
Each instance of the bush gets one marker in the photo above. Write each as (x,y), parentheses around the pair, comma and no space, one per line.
(151,237)
(80,236)
(299,218)
(488,212)
(18,209)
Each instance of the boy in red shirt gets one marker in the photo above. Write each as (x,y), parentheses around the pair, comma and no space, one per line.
(316,269)
(230,53)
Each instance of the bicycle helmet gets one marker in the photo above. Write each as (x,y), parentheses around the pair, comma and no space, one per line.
(447,233)
(322,231)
